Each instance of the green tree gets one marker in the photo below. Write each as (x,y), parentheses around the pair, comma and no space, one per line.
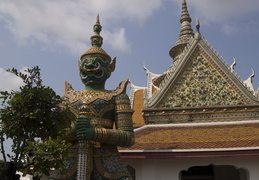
(34,118)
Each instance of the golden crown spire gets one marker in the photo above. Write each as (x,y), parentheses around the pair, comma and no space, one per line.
(96,41)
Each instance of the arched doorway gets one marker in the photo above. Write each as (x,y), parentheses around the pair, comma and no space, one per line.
(214,172)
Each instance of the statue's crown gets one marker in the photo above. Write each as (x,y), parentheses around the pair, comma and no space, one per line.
(96,41)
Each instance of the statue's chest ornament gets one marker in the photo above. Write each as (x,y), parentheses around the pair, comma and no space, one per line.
(100,100)
(89,96)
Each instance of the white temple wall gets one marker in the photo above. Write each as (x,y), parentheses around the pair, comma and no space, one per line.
(169,169)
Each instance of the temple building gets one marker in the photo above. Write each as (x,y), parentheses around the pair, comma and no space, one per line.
(197,120)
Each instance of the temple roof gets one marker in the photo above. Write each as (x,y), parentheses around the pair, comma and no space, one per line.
(199,85)
(196,137)
(199,77)
(202,77)
(198,107)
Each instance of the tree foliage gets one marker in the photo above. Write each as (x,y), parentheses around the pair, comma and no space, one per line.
(33,118)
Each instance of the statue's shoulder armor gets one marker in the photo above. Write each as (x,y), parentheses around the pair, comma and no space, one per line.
(122,96)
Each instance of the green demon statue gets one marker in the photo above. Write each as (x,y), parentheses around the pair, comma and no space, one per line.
(103,118)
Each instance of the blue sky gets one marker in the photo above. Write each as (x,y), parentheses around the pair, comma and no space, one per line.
(53,34)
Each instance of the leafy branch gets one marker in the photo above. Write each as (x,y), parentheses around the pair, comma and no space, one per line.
(33,118)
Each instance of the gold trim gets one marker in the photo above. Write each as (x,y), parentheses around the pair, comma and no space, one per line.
(101,122)
(88,96)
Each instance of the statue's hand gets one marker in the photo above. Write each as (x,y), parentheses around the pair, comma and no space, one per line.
(83,129)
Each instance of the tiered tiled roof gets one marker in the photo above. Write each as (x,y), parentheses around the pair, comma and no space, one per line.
(197,136)
(206,138)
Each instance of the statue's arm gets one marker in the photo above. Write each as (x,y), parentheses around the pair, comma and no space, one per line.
(123,135)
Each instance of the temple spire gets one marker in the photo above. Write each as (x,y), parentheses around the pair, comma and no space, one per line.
(186,33)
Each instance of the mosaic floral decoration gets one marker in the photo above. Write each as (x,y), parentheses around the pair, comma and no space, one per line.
(201,85)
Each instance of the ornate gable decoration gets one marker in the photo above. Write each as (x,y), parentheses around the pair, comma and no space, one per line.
(200,78)
(200,84)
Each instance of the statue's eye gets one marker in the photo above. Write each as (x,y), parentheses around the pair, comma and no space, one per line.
(97,64)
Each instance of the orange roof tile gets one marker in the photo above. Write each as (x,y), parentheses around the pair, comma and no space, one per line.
(196,137)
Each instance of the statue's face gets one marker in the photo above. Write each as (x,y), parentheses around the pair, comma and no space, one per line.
(93,70)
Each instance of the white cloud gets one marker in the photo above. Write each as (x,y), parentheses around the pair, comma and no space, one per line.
(229,29)
(8,81)
(118,40)
(68,24)
(224,13)
(222,10)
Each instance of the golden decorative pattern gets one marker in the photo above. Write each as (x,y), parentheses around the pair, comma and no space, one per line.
(102,122)
(138,106)
(96,51)
(88,96)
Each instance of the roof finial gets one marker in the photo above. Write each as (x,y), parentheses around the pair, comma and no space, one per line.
(233,65)
(186,32)
(197,25)
(197,34)
(249,81)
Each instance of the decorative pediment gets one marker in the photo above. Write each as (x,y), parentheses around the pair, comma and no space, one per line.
(200,78)
(200,84)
